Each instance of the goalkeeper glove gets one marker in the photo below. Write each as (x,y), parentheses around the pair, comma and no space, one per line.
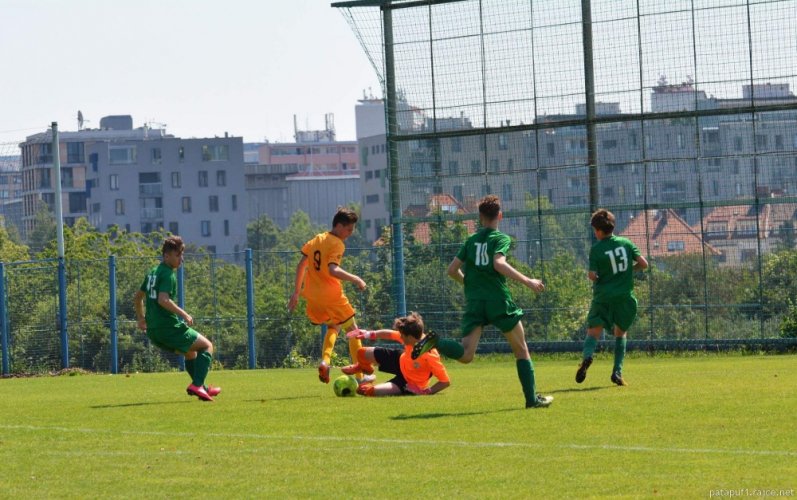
(417,390)
(361,334)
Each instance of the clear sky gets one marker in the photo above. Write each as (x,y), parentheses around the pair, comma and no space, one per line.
(202,67)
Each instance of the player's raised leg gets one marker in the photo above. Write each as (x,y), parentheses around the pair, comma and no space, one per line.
(620,342)
(200,356)
(326,353)
(525,368)
(590,343)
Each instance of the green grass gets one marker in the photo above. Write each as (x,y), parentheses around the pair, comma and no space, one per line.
(684,427)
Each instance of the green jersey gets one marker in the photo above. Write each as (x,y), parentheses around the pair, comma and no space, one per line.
(613,259)
(161,278)
(482,281)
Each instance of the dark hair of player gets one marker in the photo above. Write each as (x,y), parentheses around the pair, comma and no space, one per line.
(411,324)
(603,220)
(489,207)
(173,243)
(344,216)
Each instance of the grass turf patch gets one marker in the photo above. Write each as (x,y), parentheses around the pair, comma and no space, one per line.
(684,427)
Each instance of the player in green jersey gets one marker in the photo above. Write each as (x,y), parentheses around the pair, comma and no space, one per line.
(488,301)
(612,262)
(168,326)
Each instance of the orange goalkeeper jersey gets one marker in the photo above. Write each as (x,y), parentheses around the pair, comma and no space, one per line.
(320,286)
(418,371)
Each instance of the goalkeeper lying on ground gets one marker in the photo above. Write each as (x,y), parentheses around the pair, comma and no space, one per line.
(412,376)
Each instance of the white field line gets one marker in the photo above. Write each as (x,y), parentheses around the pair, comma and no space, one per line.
(410,442)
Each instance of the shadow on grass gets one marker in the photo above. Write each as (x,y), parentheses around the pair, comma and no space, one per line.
(452,414)
(263,400)
(142,403)
(579,389)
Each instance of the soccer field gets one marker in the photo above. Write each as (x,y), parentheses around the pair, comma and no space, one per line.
(686,427)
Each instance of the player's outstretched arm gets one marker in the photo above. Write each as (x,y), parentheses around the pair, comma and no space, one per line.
(384,334)
(640,264)
(301,267)
(138,304)
(341,274)
(455,270)
(502,266)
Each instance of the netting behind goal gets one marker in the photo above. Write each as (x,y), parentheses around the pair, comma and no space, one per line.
(680,117)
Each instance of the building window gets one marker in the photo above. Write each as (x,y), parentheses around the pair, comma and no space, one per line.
(226,227)
(234,203)
(506,192)
(737,143)
(186,204)
(77,202)
(475,166)
(456,144)
(369,175)
(510,165)
(495,165)
(175,179)
(213,203)
(502,142)
(66,178)
(216,152)
(156,156)
(675,246)
(205,228)
(372,198)
(453,168)
(551,149)
(173,228)
(113,182)
(203,178)
(609,144)
(120,206)
(121,155)
(74,152)
(221,178)
(181,154)
(44,178)
(761,141)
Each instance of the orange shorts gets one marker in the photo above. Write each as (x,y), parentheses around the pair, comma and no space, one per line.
(330,314)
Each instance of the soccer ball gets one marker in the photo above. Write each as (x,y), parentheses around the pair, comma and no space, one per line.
(345,385)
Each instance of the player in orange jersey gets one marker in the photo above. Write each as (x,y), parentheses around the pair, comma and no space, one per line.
(318,280)
(412,376)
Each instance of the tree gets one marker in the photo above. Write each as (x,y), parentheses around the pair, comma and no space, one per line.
(44,232)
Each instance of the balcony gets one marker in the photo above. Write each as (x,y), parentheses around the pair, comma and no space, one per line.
(151,214)
(148,190)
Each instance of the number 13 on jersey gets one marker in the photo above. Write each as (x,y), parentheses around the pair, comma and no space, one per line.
(619,259)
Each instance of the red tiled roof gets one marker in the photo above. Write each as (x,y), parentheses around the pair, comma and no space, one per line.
(667,234)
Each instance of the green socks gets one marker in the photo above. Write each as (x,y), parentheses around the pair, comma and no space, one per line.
(201,368)
(619,353)
(190,367)
(450,348)
(525,372)
(590,343)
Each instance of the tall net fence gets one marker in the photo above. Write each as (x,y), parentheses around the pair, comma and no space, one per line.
(212,288)
(680,117)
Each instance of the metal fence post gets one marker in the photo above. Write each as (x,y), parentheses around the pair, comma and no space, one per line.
(62,313)
(250,308)
(181,303)
(112,315)
(4,318)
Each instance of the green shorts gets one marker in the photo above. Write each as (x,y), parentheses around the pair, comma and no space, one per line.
(177,339)
(620,312)
(503,314)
